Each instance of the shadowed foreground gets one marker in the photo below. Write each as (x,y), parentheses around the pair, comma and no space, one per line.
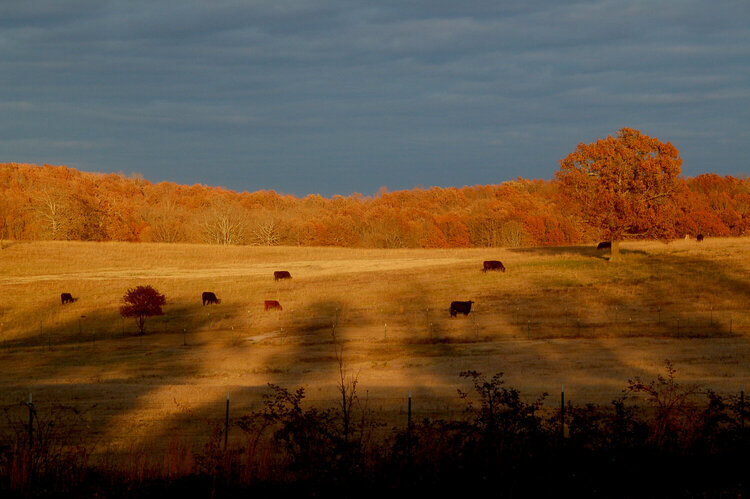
(679,440)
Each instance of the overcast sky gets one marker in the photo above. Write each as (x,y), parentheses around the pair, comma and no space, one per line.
(334,97)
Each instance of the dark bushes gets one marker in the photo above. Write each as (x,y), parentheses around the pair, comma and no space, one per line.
(660,439)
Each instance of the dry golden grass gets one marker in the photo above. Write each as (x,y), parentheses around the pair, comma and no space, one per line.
(558,316)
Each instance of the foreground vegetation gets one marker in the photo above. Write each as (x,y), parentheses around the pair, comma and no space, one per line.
(679,440)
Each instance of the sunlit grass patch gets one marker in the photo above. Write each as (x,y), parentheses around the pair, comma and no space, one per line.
(557,315)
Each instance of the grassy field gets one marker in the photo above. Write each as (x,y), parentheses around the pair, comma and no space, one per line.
(558,316)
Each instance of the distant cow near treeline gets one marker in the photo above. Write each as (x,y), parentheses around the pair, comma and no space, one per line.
(281,274)
(460,307)
(493,265)
(699,237)
(271,305)
(209,298)
(604,245)
(67,298)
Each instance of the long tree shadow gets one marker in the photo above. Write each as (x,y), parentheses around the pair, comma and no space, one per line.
(98,372)
(590,251)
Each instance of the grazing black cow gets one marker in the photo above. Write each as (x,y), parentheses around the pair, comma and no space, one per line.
(281,274)
(699,238)
(604,245)
(271,305)
(209,297)
(493,265)
(463,307)
(67,298)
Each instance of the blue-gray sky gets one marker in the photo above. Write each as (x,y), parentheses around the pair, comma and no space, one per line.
(338,96)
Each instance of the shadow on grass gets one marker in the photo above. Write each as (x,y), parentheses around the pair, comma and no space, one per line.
(590,251)
(309,346)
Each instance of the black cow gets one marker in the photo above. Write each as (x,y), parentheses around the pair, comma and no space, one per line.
(699,238)
(493,265)
(463,307)
(604,245)
(281,274)
(67,298)
(209,298)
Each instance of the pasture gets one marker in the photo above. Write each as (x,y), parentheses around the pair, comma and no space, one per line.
(557,316)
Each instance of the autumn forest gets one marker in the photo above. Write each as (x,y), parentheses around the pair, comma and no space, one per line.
(61,203)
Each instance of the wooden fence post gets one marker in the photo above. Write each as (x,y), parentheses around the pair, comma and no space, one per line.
(226,424)
(408,431)
(562,413)
(742,409)
(30,405)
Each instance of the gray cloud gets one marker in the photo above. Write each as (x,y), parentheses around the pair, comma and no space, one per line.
(340,96)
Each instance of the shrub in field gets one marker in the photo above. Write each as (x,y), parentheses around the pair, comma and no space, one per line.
(306,435)
(498,412)
(142,302)
(673,404)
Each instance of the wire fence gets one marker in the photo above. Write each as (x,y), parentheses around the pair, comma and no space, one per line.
(116,424)
(420,326)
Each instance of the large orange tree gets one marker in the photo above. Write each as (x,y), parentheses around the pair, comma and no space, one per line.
(623,185)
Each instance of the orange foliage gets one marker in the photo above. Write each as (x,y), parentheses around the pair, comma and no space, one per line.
(624,185)
(51,202)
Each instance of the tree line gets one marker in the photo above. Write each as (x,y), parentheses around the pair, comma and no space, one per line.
(61,203)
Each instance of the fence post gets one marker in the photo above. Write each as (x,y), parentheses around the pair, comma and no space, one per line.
(30,404)
(226,424)
(742,409)
(408,431)
(385,332)
(562,413)
(184,337)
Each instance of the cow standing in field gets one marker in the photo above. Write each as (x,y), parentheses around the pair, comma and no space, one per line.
(67,298)
(281,274)
(460,307)
(604,245)
(271,305)
(493,265)
(210,298)
(699,238)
